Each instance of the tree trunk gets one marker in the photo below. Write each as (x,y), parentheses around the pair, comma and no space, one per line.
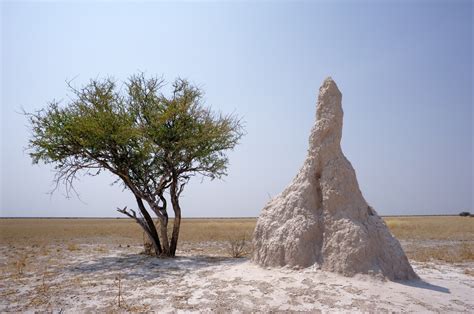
(177,218)
(151,232)
(164,236)
(174,237)
(156,246)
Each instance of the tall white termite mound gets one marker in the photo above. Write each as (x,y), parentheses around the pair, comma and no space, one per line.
(321,217)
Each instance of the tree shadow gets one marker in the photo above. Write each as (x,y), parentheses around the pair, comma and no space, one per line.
(132,266)
(420,283)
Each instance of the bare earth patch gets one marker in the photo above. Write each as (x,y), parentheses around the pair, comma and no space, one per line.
(86,277)
(78,265)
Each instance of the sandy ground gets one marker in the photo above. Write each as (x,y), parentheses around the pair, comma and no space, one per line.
(97,277)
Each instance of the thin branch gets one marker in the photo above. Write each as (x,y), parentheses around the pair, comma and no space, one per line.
(124,211)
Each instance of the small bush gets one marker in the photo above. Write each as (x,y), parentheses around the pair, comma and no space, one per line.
(72,247)
(238,246)
(20,264)
(464,214)
(469,272)
(101,249)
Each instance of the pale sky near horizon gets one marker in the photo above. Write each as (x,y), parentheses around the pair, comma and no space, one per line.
(404,68)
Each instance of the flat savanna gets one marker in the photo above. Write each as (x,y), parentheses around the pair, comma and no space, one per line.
(96,265)
(447,238)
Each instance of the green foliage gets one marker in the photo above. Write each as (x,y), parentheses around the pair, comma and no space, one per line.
(151,142)
(144,137)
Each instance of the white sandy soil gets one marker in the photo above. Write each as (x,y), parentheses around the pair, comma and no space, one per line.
(87,279)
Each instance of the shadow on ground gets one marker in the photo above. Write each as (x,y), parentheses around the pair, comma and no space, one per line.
(146,267)
(424,285)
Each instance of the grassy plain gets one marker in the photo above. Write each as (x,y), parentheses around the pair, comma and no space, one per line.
(446,238)
(123,231)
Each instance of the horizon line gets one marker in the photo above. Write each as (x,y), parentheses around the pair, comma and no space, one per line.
(204,217)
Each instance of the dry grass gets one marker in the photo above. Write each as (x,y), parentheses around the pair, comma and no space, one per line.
(446,238)
(118,231)
(20,264)
(101,249)
(40,231)
(72,247)
(432,228)
(469,272)
(454,253)
(57,231)
(199,230)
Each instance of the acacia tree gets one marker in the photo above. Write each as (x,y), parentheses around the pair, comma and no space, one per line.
(151,142)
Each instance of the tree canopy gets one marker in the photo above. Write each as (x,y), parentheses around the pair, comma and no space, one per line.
(151,142)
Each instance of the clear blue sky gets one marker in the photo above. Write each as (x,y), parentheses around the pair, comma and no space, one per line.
(404,67)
